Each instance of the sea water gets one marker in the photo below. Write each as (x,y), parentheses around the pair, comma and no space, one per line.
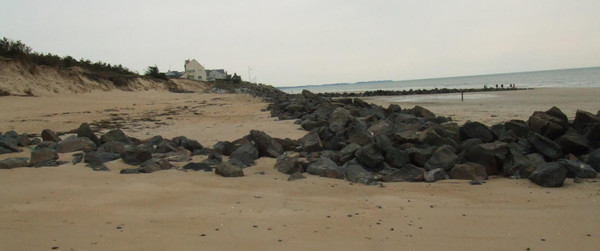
(573,78)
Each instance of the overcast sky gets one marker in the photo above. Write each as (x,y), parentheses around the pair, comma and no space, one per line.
(287,42)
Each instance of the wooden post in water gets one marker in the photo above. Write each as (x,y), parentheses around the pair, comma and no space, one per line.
(462,96)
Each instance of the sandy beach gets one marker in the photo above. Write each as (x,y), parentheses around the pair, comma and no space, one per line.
(71,207)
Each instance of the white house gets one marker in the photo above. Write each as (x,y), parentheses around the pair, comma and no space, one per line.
(194,70)
(216,74)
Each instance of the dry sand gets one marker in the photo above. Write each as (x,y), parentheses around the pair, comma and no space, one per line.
(72,207)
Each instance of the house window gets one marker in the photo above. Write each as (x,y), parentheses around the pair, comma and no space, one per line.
(199,77)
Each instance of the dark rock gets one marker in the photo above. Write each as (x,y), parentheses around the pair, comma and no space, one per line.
(557,113)
(246,154)
(267,146)
(396,157)
(191,145)
(312,124)
(224,147)
(75,144)
(407,136)
(180,155)
(573,142)
(361,138)
(112,147)
(96,158)
(321,165)
(339,119)
(535,160)
(422,112)
(436,174)
(135,156)
(549,175)
(355,172)
(382,127)
(115,135)
(547,124)
(9,147)
(311,142)
(43,157)
(475,182)
(296,176)
(85,131)
(99,167)
(198,166)
(23,140)
(419,156)
(288,163)
(77,158)
(468,171)
(130,171)
(443,157)
(154,165)
(476,130)
(518,127)
(593,135)
(545,146)
(13,162)
(347,153)
(166,146)
(407,173)
(577,169)
(369,156)
(585,120)
(593,159)
(490,155)
(49,135)
(154,141)
(287,144)
(227,169)
(516,162)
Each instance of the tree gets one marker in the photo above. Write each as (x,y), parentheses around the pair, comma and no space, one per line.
(236,79)
(153,71)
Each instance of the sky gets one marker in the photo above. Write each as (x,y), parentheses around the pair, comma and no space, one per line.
(293,42)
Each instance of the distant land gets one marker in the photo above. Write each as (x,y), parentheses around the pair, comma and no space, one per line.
(340,84)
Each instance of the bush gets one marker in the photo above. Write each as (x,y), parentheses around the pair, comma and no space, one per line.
(153,71)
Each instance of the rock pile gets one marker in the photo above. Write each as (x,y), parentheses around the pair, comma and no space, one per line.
(350,139)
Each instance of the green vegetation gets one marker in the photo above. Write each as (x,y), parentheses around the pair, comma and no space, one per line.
(153,71)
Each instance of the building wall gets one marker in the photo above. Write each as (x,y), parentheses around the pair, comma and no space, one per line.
(216,74)
(194,70)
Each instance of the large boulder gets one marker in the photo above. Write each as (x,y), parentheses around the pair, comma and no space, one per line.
(75,144)
(135,155)
(339,119)
(551,174)
(550,124)
(347,153)
(476,130)
(573,142)
(43,157)
(577,169)
(420,156)
(545,146)
(309,124)
(584,121)
(154,165)
(49,135)
(13,162)
(267,146)
(593,159)
(490,155)
(436,174)
(224,147)
(443,157)
(85,131)
(422,112)
(407,173)
(311,142)
(356,172)
(288,163)
(468,171)
(227,169)
(369,156)
(96,158)
(189,144)
(112,147)
(7,146)
(246,154)
(518,127)
(115,135)
(321,166)
(396,157)
(198,166)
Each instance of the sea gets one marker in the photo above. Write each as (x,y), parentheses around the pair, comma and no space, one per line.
(570,78)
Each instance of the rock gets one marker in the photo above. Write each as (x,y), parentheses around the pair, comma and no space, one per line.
(584,121)
(516,162)
(311,142)
(422,112)
(166,146)
(436,174)
(347,153)
(180,155)
(85,131)
(593,135)
(557,113)
(296,176)
(227,169)
(468,171)
(267,146)
(287,144)
(535,160)
(593,159)
(115,135)
(547,124)
(545,146)
(75,144)
(577,169)
(49,135)
(407,136)
(77,158)
(369,156)
(407,173)
(549,175)
(396,158)
(518,127)
(443,157)
(112,147)
(288,163)
(43,157)
(476,130)
(8,147)
(97,158)
(129,171)
(339,119)
(573,142)
(191,145)
(355,172)
(309,125)
(13,162)
(419,156)
(198,166)
(135,155)
(224,147)
(362,138)
(321,165)
(246,154)
(382,127)
(490,155)
(154,165)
